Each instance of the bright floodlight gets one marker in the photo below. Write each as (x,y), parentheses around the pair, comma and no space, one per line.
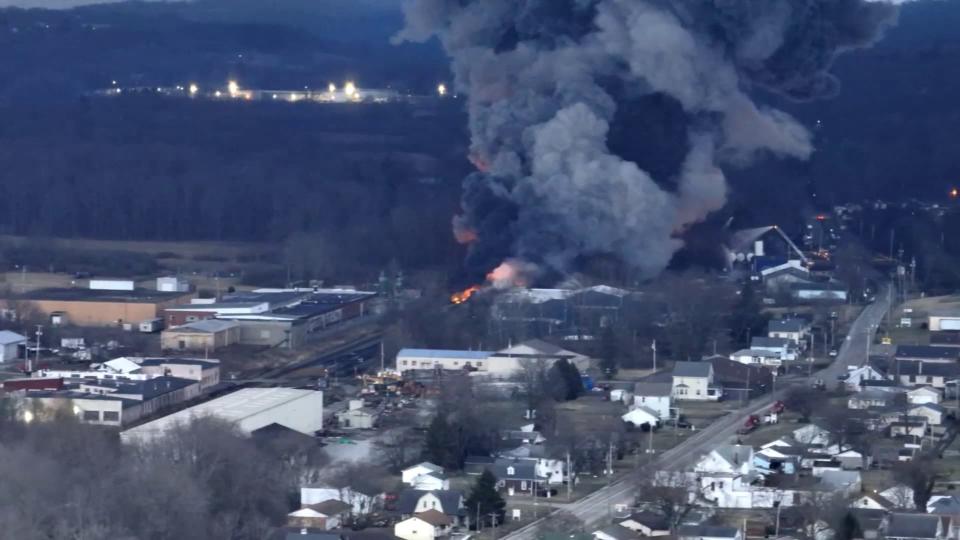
(350,89)
(233,88)
(217,93)
(194,89)
(27,417)
(332,88)
(442,89)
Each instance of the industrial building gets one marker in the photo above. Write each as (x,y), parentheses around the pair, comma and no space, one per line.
(206,335)
(203,370)
(249,409)
(275,317)
(102,307)
(501,364)
(109,402)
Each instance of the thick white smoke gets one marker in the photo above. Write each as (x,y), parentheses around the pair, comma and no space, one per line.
(544,78)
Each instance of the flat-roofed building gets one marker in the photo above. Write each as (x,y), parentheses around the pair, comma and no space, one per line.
(208,335)
(249,409)
(446,359)
(102,307)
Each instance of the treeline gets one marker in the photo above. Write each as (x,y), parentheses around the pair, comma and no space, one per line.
(356,186)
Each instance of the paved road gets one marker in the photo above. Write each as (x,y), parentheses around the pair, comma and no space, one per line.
(598,505)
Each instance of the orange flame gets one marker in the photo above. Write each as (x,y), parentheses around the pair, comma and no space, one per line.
(480,162)
(464,295)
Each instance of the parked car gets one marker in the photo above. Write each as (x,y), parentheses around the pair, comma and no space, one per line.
(833,352)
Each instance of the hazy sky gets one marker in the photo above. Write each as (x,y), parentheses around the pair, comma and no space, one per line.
(60,4)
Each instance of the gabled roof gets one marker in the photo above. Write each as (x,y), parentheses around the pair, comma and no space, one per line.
(931,406)
(787,325)
(426,465)
(692,369)
(652,389)
(773,342)
(434,517)
(330,507)
(882,501)
(948,505)
(619,532)
(902,525)
(449,499)
(924,390)
(523,469)
(735,454)
(755,353)
(9,338)
(650,520)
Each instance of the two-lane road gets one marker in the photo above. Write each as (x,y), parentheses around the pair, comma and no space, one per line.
(598,505)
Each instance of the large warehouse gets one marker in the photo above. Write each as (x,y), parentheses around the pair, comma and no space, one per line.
(250,409)
(103,307)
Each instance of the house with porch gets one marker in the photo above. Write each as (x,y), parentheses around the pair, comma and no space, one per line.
(693,381)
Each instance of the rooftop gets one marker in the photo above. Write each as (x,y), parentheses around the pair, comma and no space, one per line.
(444,353)
(902,525)
(97,295)
(208,326)
(647,389)
(9,338)
(762,341)
(787,325)
(692,369)
(927,351)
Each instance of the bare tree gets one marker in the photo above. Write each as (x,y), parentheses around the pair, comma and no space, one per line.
(561,522)
(673,494)
(920,475)
(820,512)
(398,449)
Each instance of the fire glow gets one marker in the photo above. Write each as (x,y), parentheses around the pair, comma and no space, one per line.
(505,276)
(464,295)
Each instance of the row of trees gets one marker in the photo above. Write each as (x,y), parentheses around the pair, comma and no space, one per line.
(63,479)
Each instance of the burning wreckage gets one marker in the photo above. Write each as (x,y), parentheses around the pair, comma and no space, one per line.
(548,79)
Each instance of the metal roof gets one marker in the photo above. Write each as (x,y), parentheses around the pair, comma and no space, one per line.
(9,338)
(208,326)
(444,353)
(692,369)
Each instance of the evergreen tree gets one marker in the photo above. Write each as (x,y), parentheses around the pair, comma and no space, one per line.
(747,318)
(564,381)
(487,499)
(440,443)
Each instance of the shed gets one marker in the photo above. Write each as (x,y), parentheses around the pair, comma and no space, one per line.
(206,335)
(10,343)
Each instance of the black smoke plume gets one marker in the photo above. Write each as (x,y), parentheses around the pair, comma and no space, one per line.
(545,79)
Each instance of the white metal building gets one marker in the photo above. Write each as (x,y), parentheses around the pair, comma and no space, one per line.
(10,343)
(250,409)
(943,320)
(112,284)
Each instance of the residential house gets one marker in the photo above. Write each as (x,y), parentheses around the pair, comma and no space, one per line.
(415,501)
(10,343)
(933,413)
(409,475)
(653,396)
(323,516)
(923,394)
(517,475)
(647,524)
(615,532)
(785,348)
(851,460)
(872,501)
(693,381)
(709,532)
(360,503)
(761,357)
(549,470)
(427,525)
(641,416)
(945,505)
(856,377)
(903,526)
(432,482)
(910,427)
(900,496)
(811,434)
(874,398)
(794,329)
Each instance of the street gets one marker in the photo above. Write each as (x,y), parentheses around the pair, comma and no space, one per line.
(599,505)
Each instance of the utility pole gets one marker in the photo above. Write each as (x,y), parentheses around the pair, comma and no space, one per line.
(382,368)
(653,347)
(31,367)
(569,478)
(479,524)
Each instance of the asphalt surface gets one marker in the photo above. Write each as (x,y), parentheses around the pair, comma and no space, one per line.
(600,504)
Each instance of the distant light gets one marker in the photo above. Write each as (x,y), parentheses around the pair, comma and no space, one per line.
(274,96)
(294,97)
(350,89)
(233,88)
(442,89)
(113,83)
(954,193)
(159,89)
(27,416)
(76,410)
(194,89)
(217,93)
(332,88)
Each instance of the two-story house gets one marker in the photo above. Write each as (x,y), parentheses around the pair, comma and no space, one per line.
(693,381)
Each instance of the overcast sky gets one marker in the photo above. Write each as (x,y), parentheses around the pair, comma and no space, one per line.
(60,4)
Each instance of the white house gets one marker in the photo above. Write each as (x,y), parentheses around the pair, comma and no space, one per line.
(708,532)
(360,503)
(900,496)
(10,343)
(615,532)
(510,361)
(872,501)
(431,482)
(923,394)
(793,329)
(423,526)
(855,377)
(639,416)
(653,396)
(931,411)
(785,348)
(409,475)
(647,524)
(811,434)
(693,381)
(758,356)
